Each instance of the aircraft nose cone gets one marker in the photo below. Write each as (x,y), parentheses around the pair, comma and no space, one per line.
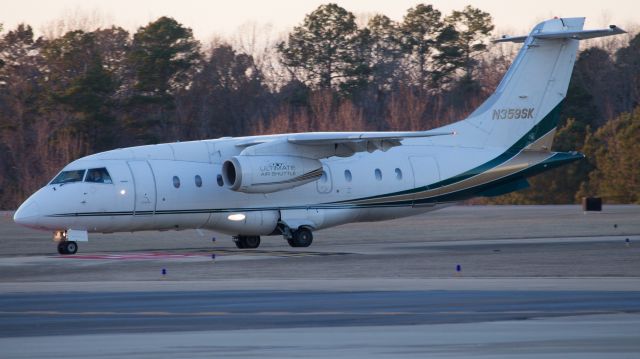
(28,213)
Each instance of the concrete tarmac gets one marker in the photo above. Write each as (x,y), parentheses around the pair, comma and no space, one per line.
(577,337)
(534,281)
(150,312)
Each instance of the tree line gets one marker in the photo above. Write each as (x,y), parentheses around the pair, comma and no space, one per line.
(86,91)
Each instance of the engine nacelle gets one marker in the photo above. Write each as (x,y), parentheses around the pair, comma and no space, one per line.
(265,174)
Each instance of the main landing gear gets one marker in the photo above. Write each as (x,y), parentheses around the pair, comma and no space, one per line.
(247,242)
(302,237)
(67,247)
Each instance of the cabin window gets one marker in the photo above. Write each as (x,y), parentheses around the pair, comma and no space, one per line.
(98,175)
(398,174)
(69,176)
(198,181)
(176,182)
(220,180)
(347,175)
(378,174)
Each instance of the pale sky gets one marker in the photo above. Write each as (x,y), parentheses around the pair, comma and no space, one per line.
(223,17)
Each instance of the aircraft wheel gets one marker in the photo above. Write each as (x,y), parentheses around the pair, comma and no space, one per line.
(67,247)
(72,247)
(301,238)
(62,248)
(250,242)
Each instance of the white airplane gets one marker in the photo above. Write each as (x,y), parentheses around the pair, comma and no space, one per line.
(293,184)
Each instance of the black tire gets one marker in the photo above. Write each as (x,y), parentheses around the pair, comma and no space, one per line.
(252,242)
(301,238)
(248,242)
(62,248)
(71,247)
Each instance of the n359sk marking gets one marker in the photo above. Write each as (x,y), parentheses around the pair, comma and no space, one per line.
(512,113)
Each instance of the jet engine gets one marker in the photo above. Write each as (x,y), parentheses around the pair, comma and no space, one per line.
(266,174)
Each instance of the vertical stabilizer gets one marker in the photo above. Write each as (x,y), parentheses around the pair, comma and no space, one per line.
(524,110)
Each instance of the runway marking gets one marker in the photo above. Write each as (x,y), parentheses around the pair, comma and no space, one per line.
(132,256)
(220,252)
(281,253)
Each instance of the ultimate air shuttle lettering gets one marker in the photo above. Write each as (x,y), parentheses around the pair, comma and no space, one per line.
(293,184)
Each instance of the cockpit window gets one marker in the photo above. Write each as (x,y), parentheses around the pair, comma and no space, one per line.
(98,175)
(68,177)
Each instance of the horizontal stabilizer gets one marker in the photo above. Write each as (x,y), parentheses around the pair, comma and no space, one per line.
(516,39)
(576,35)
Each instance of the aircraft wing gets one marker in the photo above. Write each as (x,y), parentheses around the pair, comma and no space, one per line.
(324,138)
(326,144)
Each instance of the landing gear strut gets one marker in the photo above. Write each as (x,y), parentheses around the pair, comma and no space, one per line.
(302,237)
(67,247)
(247,242)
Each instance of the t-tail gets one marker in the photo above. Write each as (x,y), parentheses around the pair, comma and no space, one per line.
(523,111)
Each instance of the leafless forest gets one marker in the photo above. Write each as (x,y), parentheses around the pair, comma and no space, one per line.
(81,88)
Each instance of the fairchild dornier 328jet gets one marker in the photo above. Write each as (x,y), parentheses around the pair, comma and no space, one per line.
(293,184)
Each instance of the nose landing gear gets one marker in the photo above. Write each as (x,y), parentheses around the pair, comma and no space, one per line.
(67,247)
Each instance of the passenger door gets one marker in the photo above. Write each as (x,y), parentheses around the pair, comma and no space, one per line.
(145,188)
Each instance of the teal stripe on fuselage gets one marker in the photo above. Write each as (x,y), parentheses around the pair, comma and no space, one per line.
(548,123)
